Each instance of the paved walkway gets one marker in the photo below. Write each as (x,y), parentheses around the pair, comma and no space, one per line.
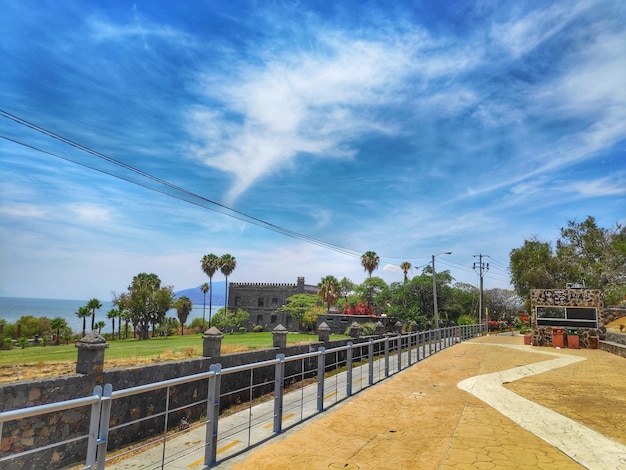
(457,410)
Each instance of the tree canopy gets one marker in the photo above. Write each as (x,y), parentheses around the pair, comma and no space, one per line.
(584,253)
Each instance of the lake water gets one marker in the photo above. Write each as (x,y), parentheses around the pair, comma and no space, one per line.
(13,308)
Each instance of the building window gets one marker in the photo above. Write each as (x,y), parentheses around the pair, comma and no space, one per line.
(274,300)
(260,302)
(287,321)
(273,318)
(259,319)
(237,300)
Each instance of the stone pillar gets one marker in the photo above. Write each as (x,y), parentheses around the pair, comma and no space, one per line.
(380,328)
(91,354)
(279,337)
(414,327)
(323,332)
(398,327)
(212,342)
(354,330)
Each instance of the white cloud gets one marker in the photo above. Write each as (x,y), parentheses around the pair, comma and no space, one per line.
(315,103)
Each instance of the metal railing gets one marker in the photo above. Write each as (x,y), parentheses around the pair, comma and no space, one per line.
(300,386)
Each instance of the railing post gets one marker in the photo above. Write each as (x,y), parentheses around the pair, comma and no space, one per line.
(279,388)
(321,365)
(349,370)
(399,341)
(103,434)
(212,416)
(423,335)
(370,360)
(94,423)
(409,343)
(386,356)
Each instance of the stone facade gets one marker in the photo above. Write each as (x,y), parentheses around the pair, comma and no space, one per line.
(585,298)
(262,301)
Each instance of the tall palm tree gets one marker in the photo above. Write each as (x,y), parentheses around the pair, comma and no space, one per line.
(93,305)
(328,290)
(369,261)
(204,288)
(183,306)
(405,266)
(228,265)
(58,323)
(210,264)
(83,312)
(112,315)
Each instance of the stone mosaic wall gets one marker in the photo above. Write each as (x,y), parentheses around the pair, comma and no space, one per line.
(588,337)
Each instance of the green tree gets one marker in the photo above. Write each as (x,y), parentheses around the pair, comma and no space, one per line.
(298,304)
(148,302)
(99,325)
(406,267)
(329,290)
(93,305)
(346,288)
(58,324)
(210,265)
(370,261)
(369,289)
(230,319)
(533,266)
(592,254)
(310,316)
(112,315)
(228,263)
(183,307)
(204,288)
(83,312)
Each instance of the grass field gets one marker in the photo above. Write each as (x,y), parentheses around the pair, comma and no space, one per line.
(162,348)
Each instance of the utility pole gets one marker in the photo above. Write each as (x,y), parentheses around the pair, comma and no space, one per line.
(482,268)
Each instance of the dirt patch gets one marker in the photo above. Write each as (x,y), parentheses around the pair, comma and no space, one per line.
(615,324)
(39,370)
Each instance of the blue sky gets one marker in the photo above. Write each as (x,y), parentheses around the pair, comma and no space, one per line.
(406,128)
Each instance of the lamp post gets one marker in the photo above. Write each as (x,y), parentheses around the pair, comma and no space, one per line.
(435,292)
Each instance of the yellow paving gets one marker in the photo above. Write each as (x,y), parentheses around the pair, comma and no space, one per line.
(420,419)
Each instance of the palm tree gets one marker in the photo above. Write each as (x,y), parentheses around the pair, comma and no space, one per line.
(210,264)
(204,288)
(93,305)
(112,315)
(58,323)
(83,312)
(228,265)
(405,266)
(101,324)
(328,290)
(183,306)
(369,261)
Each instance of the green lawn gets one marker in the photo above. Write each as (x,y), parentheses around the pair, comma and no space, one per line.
(154,347)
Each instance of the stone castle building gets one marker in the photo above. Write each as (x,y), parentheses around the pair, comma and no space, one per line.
(262,301)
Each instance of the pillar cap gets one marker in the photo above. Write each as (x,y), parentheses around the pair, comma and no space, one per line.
(323,327)
(280,329)
(93,340)
(213,331)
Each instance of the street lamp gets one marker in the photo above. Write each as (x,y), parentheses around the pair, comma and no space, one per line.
(435,290)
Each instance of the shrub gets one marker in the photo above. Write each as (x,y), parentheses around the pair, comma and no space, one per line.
(257,329)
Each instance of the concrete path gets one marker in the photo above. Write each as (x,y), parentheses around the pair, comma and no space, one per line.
(421,419)
(586,446)
(485,404)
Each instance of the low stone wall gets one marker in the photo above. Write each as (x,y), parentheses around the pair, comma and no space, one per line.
(615,343)
(542,336)
(613,313)
(40,431)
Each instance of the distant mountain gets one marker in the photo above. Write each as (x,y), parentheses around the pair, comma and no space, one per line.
(197,297)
